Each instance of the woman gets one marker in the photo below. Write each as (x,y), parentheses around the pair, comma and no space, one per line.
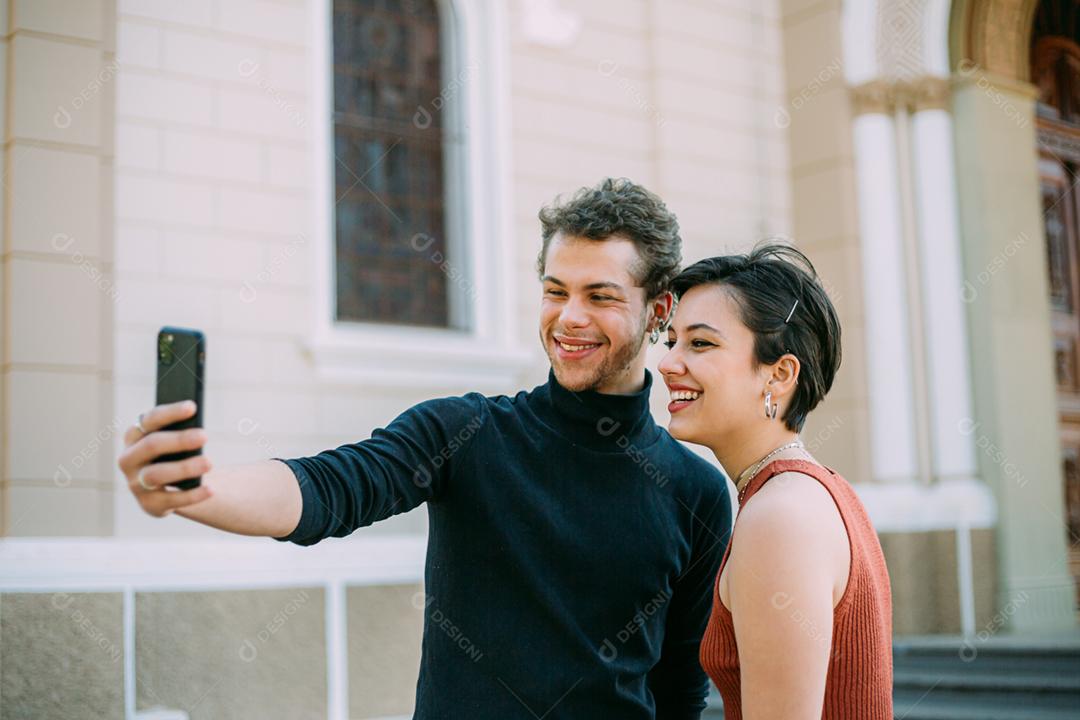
(801,625)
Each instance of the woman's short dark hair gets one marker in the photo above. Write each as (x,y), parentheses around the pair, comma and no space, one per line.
(765,284)
(620,208)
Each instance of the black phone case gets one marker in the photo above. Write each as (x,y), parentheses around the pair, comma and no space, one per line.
(181,357)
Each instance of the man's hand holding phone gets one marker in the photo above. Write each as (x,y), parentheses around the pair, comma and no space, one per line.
(148,479)
(165,467)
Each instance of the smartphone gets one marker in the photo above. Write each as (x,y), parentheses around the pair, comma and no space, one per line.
(181,358)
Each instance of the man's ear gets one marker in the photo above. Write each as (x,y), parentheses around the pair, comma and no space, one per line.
(662,307)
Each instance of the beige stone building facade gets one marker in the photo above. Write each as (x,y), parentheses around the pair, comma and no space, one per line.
(202,163)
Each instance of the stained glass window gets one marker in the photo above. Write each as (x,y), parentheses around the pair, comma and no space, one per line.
(388,131)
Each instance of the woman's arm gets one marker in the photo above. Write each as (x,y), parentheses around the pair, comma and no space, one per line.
(788,566)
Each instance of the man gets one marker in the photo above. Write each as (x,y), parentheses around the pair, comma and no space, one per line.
(573,541)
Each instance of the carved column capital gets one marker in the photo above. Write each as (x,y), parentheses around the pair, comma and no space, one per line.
(876,96)
(926,92)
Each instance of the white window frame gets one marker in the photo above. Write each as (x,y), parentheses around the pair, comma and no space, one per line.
(486,354)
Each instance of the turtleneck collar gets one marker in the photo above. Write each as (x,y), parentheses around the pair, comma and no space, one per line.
(596,420)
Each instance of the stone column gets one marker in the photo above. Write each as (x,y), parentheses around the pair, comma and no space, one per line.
(1005,268)
(57,473)
(893,441)
(944,320)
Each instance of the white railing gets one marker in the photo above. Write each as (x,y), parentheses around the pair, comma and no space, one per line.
(130,565)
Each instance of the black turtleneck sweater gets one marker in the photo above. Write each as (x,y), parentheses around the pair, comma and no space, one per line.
(572,550)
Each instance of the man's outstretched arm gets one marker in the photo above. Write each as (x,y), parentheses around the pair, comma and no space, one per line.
(261,498)
(399,467)
(307,499)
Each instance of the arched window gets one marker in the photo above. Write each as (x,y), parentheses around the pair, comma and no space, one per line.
(414,261)
(392,122)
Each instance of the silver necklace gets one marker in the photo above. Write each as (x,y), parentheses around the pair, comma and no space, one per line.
(760,463)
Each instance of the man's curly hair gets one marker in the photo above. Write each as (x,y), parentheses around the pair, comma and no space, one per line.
(620,208)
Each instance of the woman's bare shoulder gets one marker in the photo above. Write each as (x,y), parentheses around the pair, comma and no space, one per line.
(793,514)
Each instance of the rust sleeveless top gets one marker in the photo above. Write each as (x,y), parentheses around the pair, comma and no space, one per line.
(860,673)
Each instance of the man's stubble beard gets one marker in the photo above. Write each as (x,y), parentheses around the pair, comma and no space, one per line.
(613,366)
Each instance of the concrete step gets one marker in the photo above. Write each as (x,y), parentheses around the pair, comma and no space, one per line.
(945,704)
(1001,678)
(1017,680)
(1044,657)
(927,709)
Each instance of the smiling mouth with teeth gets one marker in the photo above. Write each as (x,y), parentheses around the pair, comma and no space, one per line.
(576,348)
(684,395)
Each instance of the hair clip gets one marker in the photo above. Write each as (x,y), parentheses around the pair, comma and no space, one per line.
(791,313)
